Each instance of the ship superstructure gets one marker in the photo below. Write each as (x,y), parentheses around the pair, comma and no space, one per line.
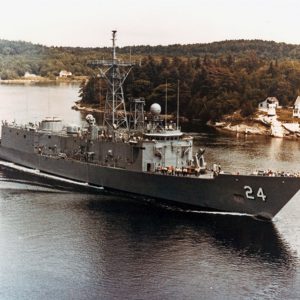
(152,159)
(114,72)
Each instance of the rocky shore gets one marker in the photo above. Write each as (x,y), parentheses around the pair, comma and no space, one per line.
(260,125)
(244,128)
(88,109)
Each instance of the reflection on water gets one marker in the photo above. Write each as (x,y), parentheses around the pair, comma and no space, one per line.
(245,236)
(204,253)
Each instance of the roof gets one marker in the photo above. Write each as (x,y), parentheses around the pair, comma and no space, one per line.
(297,102)
(272,100)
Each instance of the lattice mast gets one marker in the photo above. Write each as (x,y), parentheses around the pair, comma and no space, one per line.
(137,117)
(114,72)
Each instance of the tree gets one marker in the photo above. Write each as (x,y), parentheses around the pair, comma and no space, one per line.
(91,91)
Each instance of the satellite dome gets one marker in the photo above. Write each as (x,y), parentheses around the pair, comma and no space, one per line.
(155,109)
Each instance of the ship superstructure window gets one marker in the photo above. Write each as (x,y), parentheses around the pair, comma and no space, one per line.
(167,138)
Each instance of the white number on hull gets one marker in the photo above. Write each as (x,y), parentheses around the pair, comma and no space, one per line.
(249,192)
(250,195)
(261,194)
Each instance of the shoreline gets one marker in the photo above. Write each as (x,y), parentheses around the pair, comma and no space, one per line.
(77,106)
(34,80)
(281,124)
(256,129)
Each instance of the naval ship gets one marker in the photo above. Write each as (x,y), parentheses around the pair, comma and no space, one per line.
(140,154)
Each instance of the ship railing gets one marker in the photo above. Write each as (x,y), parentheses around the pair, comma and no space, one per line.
(172,126)
(29,127)
(271,173)
(108,63)
(182,171)
(163,129)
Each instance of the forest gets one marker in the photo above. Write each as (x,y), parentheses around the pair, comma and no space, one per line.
(209,87)
(214,79)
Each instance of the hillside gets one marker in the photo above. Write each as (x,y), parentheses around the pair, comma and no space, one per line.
(263,49)
(215,79)
(17,57)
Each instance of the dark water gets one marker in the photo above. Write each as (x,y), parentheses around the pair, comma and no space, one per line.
(59,243)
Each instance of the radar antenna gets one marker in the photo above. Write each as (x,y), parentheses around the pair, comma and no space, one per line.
(114,72)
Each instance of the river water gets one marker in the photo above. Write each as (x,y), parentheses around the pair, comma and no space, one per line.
(65,244)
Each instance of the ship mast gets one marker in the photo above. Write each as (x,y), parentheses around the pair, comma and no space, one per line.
(114,72)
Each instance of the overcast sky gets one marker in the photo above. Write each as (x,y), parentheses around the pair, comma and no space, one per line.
(154,22)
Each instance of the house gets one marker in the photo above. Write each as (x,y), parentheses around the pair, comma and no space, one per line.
(270,101)
(296,110)
(269,106)
(64,74)
(29,75)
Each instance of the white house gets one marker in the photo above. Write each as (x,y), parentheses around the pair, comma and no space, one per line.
(29,75)
(269,106)
(264,105)
(296,110)
(64,73)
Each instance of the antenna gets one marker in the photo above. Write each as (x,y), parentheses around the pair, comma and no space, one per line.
(114,72)
(177,119)
(166,103)
(114,44)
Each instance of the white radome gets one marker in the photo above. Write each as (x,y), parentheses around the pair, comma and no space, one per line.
(155,109)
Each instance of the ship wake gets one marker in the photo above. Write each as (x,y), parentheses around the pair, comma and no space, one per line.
(36,186)
(198,211)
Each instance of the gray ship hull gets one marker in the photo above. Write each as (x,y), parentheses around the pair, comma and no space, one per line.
(229,193)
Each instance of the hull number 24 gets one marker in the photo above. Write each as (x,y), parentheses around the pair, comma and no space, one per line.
(250,194)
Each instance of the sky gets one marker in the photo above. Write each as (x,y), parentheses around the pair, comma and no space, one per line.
(88,23)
